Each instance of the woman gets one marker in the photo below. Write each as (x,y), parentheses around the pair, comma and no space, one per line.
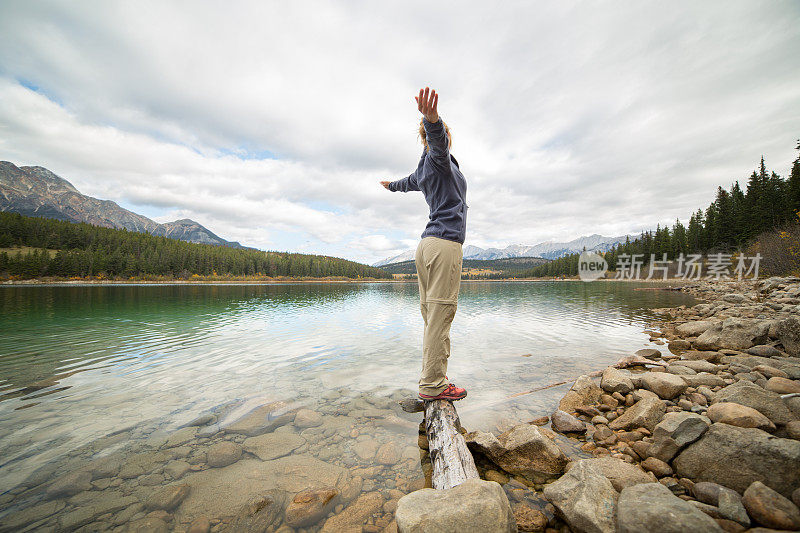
(438,257)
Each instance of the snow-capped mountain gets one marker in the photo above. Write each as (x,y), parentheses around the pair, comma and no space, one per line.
(548,250)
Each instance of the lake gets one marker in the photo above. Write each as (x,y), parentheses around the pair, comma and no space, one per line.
(109,374)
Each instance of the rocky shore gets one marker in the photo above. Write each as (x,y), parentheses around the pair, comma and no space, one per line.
(704,437)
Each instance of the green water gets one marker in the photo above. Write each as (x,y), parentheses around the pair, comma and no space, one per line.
(80,363)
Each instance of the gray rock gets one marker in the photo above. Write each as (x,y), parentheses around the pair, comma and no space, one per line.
(306,418)
(176,469)
(584,498)
(566,423)
(649,353)
(475,505)
(788,333)
(223,454)
(708,492)
(764,350)
(617,471)
(676,431)
(168,498)
(522,450)
(273,445)
(694,328)
(736,457)
(731,507)
(735,334)
(652,507)
(614,380)
(680,370)
(704,378)
(583,392)
(666,385)
(736,298)
(767,403)
(645,413)
(702,355)
(699,365)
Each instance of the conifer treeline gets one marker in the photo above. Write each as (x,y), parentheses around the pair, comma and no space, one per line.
(733,219)
(85,250)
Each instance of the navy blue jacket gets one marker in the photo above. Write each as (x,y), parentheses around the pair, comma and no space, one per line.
(442,184)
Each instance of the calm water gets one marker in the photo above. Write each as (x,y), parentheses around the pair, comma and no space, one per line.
(80,363)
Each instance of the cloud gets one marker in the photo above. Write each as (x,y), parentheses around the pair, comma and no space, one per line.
(272,123)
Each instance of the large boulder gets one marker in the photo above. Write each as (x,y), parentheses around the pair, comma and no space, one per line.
(583,392)
(738,415)
(747,393)
(584,498)
(736,457)
(617,471)
(694,328)
(645,413)
(676,431)
(475,505)
(788,332)
(666,385)
(614,380)
(653,507)
(735,334)
(522,450)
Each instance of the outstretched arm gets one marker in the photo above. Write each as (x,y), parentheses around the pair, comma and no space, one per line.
(409,183)
(435,135)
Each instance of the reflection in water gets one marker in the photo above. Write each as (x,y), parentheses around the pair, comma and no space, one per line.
(79,363)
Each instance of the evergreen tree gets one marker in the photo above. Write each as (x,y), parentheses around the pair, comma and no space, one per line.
(793,188)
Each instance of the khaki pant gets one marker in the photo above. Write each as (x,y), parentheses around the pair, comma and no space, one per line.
(439,274)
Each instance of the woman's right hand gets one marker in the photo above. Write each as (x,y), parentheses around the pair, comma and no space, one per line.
(385,184)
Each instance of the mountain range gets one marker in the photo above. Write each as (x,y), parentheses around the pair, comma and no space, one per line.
(546,250)
(37,192)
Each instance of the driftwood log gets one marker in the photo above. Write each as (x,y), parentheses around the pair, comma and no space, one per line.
(451,460)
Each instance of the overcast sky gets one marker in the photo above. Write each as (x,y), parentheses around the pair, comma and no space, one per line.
(271,123)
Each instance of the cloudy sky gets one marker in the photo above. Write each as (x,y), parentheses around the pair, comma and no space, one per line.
(271,123)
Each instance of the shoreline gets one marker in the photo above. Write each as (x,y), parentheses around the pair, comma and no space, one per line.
(719,386)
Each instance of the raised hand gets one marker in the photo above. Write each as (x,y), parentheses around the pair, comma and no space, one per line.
(427,101)
(385,184)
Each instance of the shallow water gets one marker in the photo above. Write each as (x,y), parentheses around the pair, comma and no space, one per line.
(106,371)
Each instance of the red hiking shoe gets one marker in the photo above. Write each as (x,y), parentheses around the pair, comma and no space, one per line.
(451,393)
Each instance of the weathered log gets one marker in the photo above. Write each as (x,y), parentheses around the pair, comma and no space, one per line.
(451,459)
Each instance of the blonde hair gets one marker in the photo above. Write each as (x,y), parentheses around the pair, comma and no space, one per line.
(422,135)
